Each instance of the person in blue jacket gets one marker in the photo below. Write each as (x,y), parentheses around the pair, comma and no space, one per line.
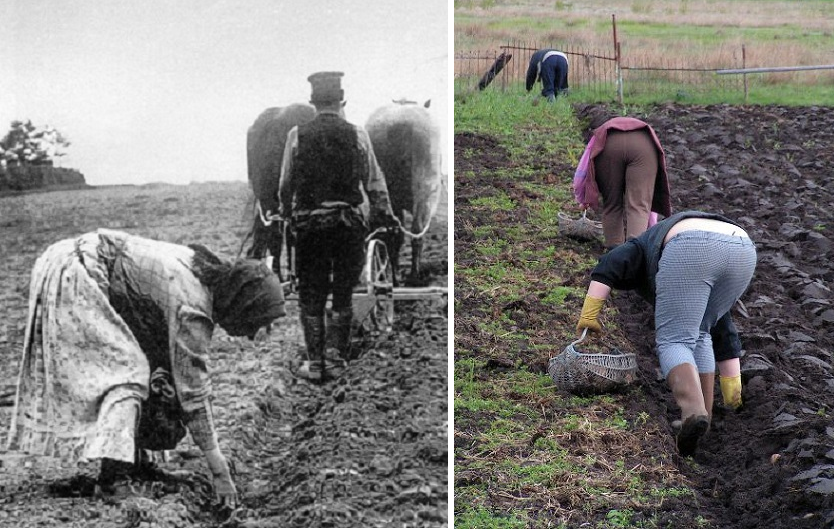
(551,67)
(693,267)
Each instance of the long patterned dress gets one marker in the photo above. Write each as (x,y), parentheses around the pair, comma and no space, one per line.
(105,311)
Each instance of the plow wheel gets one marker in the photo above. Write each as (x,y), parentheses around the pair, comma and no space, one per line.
(373,302)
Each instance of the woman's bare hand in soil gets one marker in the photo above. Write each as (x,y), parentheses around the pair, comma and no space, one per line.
(225,491)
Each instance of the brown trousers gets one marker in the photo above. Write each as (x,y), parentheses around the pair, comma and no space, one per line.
(626,170)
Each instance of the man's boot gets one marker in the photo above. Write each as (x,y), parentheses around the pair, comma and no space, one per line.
(312,365)
(338,332)
(686,387)
(337,342)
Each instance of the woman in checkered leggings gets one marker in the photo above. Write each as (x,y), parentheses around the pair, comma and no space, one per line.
(692,266)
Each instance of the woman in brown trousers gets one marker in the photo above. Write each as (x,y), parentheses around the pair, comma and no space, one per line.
(627,169)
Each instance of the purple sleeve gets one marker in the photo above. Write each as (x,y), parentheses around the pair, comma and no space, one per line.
(582,172)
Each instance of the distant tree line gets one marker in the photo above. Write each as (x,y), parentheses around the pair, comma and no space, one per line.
(26,145)
(27,155)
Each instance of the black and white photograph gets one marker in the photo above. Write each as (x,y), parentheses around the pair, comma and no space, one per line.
(225,264)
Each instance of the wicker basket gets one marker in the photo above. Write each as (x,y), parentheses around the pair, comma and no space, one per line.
(582,228)
(583,373)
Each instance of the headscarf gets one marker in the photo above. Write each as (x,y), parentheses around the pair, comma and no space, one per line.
(243,292)
(251,292)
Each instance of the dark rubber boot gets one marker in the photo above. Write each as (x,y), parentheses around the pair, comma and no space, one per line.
(338,333)
(692,430)
(312,366)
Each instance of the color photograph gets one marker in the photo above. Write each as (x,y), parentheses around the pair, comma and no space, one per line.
(643,327)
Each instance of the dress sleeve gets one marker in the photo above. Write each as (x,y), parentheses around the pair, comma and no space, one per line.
(200,423)
(189,357)
(581,173)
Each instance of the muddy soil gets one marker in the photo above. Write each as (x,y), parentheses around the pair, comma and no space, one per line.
(369,449)
(771,464)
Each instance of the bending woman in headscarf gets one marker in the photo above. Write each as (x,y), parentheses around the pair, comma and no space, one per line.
(624,165)
(116,349)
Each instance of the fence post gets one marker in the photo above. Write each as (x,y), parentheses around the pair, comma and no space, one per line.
(744,65)
(618,69)
(494,70)
(619,77)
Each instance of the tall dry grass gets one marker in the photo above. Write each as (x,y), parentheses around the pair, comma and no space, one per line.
(700,33)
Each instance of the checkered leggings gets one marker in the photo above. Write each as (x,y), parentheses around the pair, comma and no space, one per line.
(700,276)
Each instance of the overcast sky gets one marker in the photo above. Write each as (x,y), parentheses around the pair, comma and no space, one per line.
(164,90)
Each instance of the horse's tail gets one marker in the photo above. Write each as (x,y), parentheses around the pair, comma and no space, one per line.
(251,232)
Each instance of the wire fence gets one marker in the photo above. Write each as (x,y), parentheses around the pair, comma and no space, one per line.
(593,71)
(643,75)
(599,74)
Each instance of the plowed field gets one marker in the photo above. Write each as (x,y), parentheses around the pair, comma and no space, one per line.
(369,449)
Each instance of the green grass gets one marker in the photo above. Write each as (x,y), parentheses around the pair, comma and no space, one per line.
(516,450)
(759,93)
(481,518)
(551,193)
(792,95)
(501,328)
(496,273)
(558,294)
(509,115)
(492,247)
(498,202)
(638,91)
(545,216)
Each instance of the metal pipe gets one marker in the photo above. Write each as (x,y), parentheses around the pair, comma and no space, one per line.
(776,69)
(418,293)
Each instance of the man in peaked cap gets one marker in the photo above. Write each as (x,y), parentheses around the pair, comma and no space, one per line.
(334,192)
(327,88)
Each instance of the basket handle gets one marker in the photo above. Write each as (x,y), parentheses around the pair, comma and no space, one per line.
(579,340)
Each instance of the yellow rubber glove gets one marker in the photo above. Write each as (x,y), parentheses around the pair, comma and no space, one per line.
(589,319)
(731,390)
